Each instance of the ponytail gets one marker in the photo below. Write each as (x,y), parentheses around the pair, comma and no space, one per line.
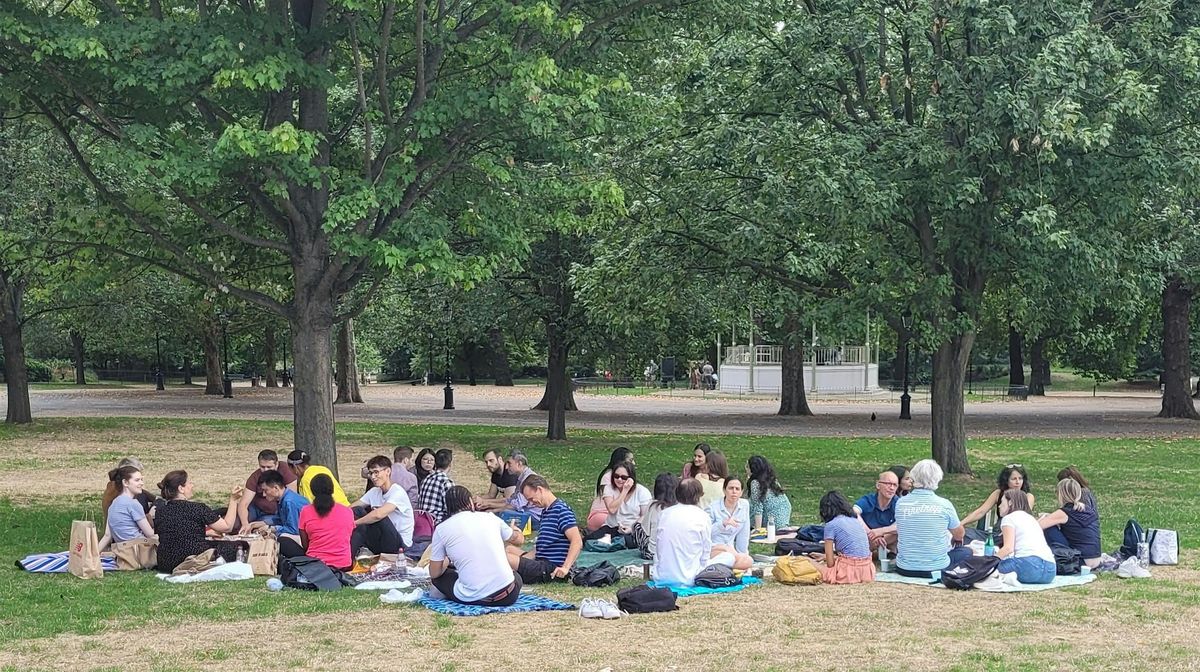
(171,484)
(322,490)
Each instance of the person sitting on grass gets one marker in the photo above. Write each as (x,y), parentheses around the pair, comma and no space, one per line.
(646,529)
(683,543)
(325,528)
(300,462)
(927,526)
(714,481)
(699,462)
(1024,550)
(402,474)
(287,504)
(598,514)
(501,483)
(1089,498)
(768,503)
(905,479)
(877,510)
(384,516)
(730,519)
(113,489)
(517,508)
(467,559)
(181,523)
(626,501)
(847,557)
(125,519)
(1075,524)
(558,543)
(424,465)
(432,496)
(1011,476)
(254,506)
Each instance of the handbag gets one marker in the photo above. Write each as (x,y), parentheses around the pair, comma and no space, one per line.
(263,556)
(642,599)
(83,557)
(1164,546)
(717,576)
(1067,561)
(136,554)
(792,570)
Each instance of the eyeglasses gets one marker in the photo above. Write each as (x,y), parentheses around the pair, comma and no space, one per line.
(620,477)
(376,472)
(887,483)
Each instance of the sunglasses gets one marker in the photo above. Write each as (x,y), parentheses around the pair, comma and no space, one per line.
(1014,466)
(620,477)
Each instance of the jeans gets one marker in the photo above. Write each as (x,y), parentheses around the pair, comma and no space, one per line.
(1030,569)
(1054,536)
(519,518)
(957,554)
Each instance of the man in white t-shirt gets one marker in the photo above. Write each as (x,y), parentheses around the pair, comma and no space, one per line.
(684,539)
(384,516)
(467,559)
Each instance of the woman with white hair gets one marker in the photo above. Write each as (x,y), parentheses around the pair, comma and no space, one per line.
(926,526)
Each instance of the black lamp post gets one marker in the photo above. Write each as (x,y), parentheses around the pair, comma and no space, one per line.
(448,390)
(160,382)
(225,338)
(906,398)
(285,378)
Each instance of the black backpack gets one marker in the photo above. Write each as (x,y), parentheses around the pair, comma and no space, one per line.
(717,576)
(1067,561)
(967,572)
(1134,534)
(798,547)
(307,573)
(597,576)
(643,599)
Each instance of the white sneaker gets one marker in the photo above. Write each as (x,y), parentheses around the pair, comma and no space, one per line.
(590,608)
(609,610)
(1131,569)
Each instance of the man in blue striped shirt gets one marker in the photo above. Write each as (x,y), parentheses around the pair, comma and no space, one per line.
(559,541)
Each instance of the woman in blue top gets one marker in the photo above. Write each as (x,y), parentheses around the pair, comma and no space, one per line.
(126,519)
(730,518)
(847,556)
(1075,524)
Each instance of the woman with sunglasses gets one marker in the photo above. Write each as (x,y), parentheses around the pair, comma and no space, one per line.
(1012,476)
(598,513)
(626,501)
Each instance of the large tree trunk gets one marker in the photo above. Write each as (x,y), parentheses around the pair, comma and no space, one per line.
(187,369)
(347,366)
(16,376)
(1039,368)
(559,397)
(77,356)
(1016,361)
(792,400)
(946,399)
(312,357)
(269,356)
(1177,370)
(500,368)
(212,357)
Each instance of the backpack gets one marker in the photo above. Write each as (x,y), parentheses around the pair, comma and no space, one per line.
(1164,546)
(717,576)
(308,573)
(643,599)
(1133,535)
(597,576)
(798,547)
(813,533)
(792,570)
(1067,561)
(423,524)
(967,572)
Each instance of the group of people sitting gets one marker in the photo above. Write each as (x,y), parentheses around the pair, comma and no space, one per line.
(475,544)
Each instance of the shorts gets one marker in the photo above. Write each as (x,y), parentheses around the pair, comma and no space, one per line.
(535,570)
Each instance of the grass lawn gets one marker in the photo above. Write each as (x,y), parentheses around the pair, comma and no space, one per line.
(133,620)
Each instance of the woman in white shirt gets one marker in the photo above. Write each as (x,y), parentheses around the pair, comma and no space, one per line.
(645,530)
(1024,550)
(730,519)
(626,501)
(683,541)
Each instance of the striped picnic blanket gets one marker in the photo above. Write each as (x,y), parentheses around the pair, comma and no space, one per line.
(55,563)
(524,603)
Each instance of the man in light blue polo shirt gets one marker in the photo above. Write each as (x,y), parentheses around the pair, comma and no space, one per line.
(877,510)
(926,526)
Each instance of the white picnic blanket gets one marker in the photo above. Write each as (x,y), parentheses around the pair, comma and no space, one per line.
(1059,582)
(230,571)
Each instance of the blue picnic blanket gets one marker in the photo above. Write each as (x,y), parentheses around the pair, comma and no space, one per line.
(689,591)
(524,603)
(55,563)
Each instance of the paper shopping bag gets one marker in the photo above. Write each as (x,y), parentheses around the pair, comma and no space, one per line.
(136,554)
(264,556)
(83,559)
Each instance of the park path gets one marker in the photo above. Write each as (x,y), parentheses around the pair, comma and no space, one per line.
(1049,417)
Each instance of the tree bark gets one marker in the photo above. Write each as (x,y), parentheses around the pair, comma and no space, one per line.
(792,400)
(946,400)
(1016,361)
(212,357)
(269,356)
(1039,368)
(559,396)
(500,367)
(16,376)
(77,356)
(348,391)
(1177,370)
(312,357)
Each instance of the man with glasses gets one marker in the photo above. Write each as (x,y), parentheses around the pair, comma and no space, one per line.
(383,518)
(877,510)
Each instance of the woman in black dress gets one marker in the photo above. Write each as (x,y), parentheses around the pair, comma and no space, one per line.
(180,522)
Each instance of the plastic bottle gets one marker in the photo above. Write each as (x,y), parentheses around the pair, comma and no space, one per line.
(884,564)
(989,546)
(770,529)
(1143,552)
(241,553)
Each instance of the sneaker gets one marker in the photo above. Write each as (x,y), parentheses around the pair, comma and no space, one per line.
(590,608)
(609,610)
(1131,569)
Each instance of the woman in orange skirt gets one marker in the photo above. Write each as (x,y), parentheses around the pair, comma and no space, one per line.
(847,556)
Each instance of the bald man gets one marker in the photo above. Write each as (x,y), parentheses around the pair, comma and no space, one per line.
(877,511)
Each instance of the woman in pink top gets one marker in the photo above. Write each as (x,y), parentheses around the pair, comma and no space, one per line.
(325,528)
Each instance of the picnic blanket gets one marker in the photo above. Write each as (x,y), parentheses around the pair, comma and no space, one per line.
(629,556)
(524,603)
(1059,582)
(230,571)
(56,563)
(690,591)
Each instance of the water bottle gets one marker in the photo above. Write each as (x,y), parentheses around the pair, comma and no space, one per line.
(241,553)
(989,546)
(1143,552)
(884,564)
(770,529)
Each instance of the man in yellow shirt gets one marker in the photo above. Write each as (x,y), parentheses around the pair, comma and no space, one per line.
(298,460)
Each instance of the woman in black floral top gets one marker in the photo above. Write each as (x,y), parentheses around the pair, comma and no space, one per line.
(180,522)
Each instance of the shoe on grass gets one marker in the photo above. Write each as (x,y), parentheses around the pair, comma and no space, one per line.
(590,608)
(1132,569)
(609,610)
